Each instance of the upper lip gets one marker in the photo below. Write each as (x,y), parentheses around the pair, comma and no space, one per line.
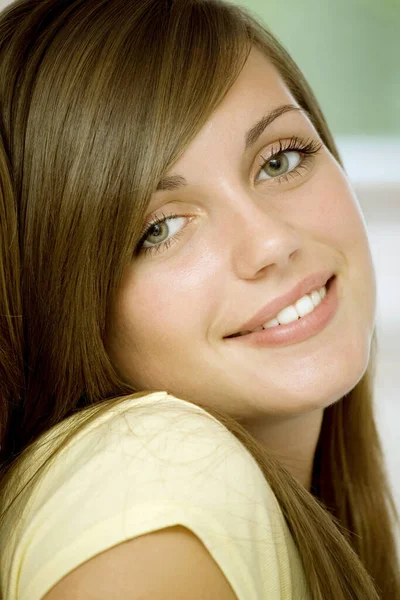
(266,314)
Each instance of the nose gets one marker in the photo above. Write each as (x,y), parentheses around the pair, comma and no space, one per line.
(261,238)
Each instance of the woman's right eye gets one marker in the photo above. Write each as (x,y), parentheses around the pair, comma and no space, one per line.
(158,233)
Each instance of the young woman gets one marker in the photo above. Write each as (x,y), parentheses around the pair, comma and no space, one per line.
(187,305)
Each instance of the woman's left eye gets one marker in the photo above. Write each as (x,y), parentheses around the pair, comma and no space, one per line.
(281,164)
(288,158)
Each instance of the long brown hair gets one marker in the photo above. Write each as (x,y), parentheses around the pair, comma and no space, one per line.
(98,99)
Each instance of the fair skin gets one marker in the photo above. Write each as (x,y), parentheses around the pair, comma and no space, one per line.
(248,239)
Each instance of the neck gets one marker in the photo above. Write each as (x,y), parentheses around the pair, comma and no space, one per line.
(293,442)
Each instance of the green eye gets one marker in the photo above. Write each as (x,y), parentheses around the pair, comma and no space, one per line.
(156,232)
(161,232)
(287,158)
(281,164)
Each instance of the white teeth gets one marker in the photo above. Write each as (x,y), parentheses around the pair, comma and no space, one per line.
(287,315)
(272,323)
(302,307)
(316,297)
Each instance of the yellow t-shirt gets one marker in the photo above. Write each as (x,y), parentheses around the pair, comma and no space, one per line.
(144,465)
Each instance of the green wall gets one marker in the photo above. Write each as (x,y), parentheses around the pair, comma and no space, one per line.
(349,50)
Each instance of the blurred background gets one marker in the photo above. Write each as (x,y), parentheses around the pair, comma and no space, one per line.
(349,51)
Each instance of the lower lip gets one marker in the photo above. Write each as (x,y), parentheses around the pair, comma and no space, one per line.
(300,330)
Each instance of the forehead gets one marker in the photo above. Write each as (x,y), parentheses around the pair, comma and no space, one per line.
(258,89)
(252,105)
(258,76)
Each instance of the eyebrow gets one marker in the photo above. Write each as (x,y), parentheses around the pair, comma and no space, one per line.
(175,182)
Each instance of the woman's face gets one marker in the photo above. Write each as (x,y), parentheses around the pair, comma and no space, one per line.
(245,236)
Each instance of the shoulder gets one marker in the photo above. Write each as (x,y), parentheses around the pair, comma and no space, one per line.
(122,486)
(169,563)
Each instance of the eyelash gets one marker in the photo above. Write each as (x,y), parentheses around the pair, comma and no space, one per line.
(309,148)
(164,245)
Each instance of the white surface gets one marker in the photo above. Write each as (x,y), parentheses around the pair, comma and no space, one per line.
(373,166)
(385,244)
(370,160)
(381,206)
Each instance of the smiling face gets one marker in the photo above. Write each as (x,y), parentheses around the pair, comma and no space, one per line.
(244,236)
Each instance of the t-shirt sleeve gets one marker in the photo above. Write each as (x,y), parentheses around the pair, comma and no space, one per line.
(144,466)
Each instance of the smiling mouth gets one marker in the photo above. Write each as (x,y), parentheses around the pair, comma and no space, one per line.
(242,334)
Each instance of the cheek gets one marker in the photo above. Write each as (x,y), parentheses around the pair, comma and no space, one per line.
(329,207)
(337,221)
(347,229)
(168,301)
(157,316)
